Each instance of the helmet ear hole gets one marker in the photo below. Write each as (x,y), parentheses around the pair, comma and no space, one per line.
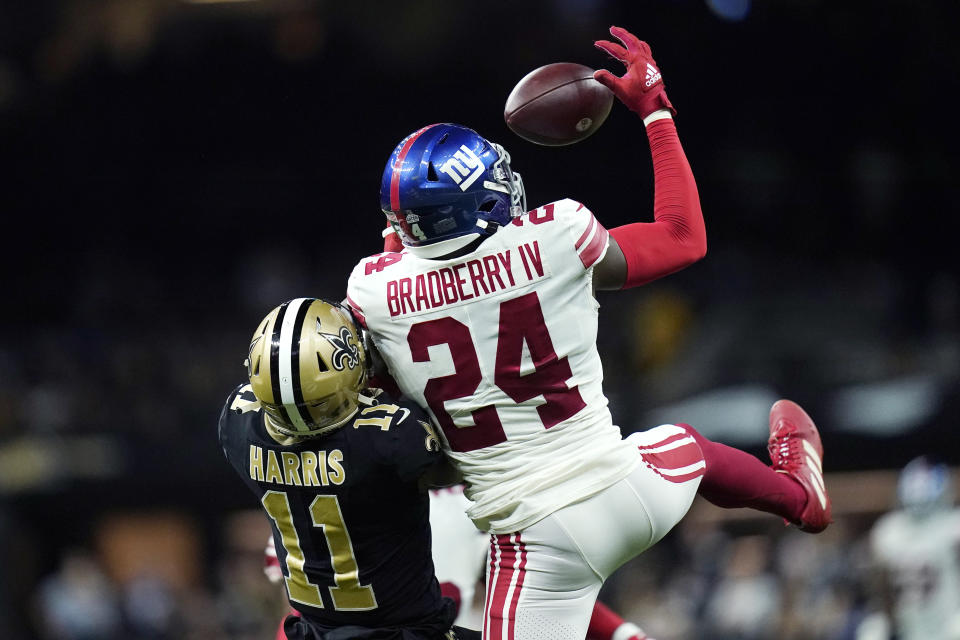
(321,364)
(432,173)
(487,206)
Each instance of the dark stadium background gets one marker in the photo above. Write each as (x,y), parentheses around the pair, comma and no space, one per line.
(173,170)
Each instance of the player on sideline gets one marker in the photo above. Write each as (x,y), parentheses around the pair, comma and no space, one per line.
(916,547)
(487,317)
(341,472)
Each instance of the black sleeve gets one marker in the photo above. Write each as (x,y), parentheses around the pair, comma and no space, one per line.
(415,442)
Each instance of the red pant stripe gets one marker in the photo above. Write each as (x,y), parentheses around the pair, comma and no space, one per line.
(682,456)
(665,441)
(505,583)
(521,548)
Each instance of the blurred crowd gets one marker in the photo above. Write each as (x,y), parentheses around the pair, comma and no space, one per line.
(724,579)
(760,582)
(80,601)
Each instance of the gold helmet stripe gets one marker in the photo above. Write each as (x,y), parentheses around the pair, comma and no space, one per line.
(287,339)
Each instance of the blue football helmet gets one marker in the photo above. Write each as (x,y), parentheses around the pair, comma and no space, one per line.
(445,186)
(924,486)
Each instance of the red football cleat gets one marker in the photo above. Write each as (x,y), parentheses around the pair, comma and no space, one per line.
(795,449)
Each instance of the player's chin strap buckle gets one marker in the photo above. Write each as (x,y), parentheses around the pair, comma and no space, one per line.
(487,227)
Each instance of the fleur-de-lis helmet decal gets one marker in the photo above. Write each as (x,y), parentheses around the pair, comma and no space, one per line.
(345,351)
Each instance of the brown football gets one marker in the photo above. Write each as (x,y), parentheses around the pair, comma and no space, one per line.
(557,104)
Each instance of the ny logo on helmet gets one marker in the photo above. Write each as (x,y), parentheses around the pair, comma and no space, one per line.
(464,167)
(345,352)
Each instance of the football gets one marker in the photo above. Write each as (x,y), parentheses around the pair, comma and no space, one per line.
(557,104)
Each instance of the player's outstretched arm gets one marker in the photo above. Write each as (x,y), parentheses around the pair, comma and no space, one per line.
(641,252)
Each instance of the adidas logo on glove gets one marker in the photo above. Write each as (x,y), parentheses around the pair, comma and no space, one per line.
(653,76)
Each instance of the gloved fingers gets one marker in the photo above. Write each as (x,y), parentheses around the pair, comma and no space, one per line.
(612,49)
(608,80)
(630,41)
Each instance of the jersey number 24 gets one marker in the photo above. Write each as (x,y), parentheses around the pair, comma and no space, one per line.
(521,320)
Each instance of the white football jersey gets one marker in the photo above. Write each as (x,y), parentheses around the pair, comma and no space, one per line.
(500,346)
(922,555)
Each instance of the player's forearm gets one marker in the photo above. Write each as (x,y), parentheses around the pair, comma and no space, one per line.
(676,202)
(678,237)
(442,474)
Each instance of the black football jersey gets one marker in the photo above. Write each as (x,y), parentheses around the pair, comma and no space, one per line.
(349,518)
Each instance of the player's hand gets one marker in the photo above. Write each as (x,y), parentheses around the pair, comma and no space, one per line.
(641,87)
(391,241)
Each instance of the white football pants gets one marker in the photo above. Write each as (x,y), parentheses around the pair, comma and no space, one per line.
(542,582)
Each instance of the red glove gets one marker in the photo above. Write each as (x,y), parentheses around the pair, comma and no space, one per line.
(391,241)
(641,87)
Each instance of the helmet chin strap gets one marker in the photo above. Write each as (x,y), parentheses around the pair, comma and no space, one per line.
(488,227)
